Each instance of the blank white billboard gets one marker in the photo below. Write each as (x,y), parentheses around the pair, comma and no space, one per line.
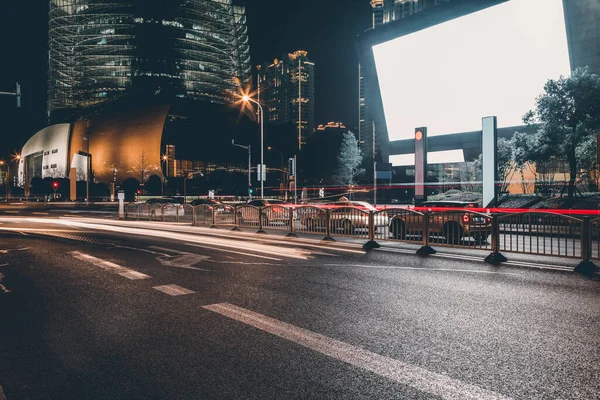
(492,62)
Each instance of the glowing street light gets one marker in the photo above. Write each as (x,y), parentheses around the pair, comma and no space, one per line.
(247,99)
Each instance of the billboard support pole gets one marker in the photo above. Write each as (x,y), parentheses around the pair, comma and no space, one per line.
(489,144)
(375,183)
(420,164)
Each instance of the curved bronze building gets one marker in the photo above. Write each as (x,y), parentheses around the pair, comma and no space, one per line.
(102,49)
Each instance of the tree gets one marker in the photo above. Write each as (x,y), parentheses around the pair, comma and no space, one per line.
(568,114)
(349,159)
(130,186)
(154,185)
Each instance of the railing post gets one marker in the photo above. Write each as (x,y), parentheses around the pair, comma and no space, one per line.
(235,219)
(162,214)
(260,220)
(292,232)
(194,216)
(371,244)
(139,213)
(328,237)
(177,214)
(495,256)
(214,217)
(425,248)
(586,266)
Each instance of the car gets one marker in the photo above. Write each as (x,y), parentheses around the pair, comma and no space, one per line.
(345,217)
(219,206)
(452,225)
(159,207)
(276,211)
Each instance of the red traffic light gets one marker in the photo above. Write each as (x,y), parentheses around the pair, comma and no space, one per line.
(139,192)
(54,185)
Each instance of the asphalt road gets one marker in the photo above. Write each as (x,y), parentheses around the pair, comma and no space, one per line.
(104,309)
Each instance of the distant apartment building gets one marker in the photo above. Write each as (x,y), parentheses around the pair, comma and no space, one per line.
(384,11)
(287,92)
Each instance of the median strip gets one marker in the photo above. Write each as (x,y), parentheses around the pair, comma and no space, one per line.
(410,375)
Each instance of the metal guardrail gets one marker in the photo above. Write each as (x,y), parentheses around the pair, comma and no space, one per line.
(538,233)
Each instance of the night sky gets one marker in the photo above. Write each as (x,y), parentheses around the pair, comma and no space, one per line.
(325,28)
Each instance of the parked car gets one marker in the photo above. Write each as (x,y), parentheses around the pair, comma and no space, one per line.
(276,211)
(159,207)
(219,206)
(345,217)
(452,225)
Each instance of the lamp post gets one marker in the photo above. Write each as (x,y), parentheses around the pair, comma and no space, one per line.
(6,177)
(247,98)
(190,175)
(165,159)
(249,160)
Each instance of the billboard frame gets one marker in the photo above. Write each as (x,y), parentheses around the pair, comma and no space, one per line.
(392,30)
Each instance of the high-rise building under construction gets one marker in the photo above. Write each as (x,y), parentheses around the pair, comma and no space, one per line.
(100,50)
(287,89)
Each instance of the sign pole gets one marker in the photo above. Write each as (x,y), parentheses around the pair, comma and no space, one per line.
(375,183)
(420,164)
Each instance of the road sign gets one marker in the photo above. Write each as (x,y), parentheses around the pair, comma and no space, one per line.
(211,194)
(261,172)
(321,192)
(292,166)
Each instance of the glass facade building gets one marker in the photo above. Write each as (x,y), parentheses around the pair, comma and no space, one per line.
(102,49)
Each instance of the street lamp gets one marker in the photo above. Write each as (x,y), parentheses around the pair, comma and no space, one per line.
(246,99)
(6,177)
(249,161)
(165,158)
(190,175)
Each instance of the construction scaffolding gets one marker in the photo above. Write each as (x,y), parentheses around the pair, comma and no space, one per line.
(102,49)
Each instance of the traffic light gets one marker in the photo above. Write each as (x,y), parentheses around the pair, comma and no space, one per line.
(250,191)
(55,185)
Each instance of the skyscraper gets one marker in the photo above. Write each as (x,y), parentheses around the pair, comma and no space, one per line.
(287,91)
(100,50)
(384,11)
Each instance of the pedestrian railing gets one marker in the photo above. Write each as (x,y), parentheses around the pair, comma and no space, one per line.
(539,233)
(547,234)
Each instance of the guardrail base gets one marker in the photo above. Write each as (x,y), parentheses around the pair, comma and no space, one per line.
(214,227)
(235,228)
(371,244)
(495,258)
(587,267)
(426,250)
(262,232)
(328,239)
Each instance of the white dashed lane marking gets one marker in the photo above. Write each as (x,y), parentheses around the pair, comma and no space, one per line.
(173,290)
(115,268)
(419,378)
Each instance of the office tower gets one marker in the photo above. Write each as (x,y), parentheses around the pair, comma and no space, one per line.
(101,50)
(287,91)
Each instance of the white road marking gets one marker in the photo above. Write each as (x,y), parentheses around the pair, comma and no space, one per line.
(234,252)
(410,375)
(7,251)
(421,269)
(4,265)
(3,289)
(244,263)
(117,269)
(173,290)
(182,260)
(40,213)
